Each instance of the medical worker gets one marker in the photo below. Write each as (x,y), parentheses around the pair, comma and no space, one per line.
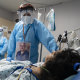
(30,30)
(3,44)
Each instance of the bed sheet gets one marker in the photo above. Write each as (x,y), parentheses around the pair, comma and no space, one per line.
(7,67)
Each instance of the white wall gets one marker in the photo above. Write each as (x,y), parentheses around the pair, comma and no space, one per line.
(67,17)
(9,24)
(6,19)
(6,14)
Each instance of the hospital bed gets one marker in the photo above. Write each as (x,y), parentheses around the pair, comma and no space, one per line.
(7,71)
(11,70)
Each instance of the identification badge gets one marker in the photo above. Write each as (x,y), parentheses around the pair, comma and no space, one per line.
(22,51)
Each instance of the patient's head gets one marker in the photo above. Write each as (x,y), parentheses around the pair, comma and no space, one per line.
(60,64)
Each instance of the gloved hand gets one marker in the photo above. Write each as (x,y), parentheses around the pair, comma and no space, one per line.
(9,59)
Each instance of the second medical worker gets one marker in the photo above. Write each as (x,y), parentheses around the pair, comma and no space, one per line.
(3,44)
(31,32)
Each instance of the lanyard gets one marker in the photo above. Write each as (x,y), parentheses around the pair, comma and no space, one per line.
(24,35)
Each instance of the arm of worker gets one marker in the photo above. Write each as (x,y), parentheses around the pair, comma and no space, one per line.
(12,44)
(5,46)
(45,37)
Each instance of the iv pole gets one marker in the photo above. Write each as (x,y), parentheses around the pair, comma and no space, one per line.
(41,43)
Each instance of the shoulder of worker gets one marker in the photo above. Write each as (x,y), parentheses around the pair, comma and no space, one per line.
(37,22)
(17,25)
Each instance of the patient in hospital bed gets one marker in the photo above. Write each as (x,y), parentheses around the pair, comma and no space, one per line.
(57,66)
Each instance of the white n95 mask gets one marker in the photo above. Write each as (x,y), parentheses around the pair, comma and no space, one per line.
(26,17)
(26,20)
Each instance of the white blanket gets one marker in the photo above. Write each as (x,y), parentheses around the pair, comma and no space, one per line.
(7,67)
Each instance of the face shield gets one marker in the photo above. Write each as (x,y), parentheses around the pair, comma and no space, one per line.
(19,15)
(26,16)
(1,31)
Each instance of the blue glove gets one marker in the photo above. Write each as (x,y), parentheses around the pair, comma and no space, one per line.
(9,59)
(76,66)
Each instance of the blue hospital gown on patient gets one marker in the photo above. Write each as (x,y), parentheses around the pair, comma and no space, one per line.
(37,33)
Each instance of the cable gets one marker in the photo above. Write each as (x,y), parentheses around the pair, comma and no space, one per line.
(62,46)
(20,74)
(23,70)
(30,76)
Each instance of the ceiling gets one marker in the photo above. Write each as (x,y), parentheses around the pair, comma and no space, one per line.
(12,5)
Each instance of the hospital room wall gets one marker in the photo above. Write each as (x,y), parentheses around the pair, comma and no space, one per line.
(6,14)
(67,17)
(8,24)
(6,19)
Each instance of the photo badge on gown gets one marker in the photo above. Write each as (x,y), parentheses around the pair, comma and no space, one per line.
(22,51)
